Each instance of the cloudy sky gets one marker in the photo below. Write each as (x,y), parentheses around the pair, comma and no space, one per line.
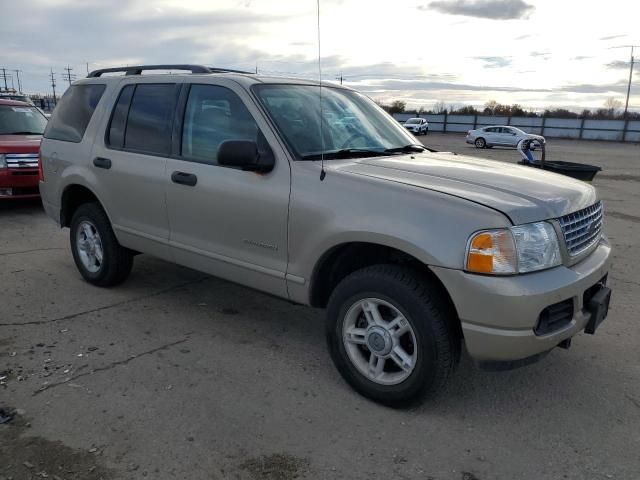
(539,53)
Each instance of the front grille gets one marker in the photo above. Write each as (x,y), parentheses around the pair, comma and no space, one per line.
(22,160)
(554,317)
(582,229)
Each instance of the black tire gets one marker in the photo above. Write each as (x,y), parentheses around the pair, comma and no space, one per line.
(426,132)
(117,261)
(421,302)
(480,143)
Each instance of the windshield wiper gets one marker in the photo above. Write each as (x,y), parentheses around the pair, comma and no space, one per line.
(345,153)
(22,133)
(412,147)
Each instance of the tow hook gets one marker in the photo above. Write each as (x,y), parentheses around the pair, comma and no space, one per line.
(566,343)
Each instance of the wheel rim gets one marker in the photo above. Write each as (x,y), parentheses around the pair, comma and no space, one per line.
(380,341)
(89,246)
(480,143)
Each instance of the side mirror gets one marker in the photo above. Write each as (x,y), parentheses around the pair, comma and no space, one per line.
(245,155)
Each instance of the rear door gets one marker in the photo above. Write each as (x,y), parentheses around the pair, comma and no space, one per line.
(226,221)
(130,162)
(510,137)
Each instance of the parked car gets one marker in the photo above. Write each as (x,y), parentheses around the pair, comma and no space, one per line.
(21,128)
(495,136)
(411,252)
(419,126)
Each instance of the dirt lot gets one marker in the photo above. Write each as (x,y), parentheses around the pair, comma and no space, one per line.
(179,375)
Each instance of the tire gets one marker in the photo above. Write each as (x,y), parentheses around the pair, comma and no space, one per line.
(431,345)
(99,257)
(480,143)
(426,132)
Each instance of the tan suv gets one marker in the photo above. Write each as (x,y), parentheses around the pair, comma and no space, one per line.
(316,195)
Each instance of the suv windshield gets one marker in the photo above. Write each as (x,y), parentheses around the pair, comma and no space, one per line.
(352,124)
(411,121)
(19,120)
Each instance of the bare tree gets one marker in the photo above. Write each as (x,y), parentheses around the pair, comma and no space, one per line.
(439,107)
(612,105)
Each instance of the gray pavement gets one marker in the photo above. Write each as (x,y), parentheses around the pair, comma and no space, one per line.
(176,374)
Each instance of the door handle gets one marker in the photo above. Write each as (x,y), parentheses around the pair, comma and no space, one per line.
(101,162)
(184,178)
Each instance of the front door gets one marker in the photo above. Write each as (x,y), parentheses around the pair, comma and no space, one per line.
(223,220)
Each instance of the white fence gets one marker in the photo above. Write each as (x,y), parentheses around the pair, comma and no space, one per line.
(615,130)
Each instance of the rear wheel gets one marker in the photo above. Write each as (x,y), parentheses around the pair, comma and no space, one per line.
(390,334)
(99,257)
(480,143)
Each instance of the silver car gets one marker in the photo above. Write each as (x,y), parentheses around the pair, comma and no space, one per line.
(413,254)
(500,136)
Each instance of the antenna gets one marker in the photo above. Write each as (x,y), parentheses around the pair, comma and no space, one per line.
(322,172)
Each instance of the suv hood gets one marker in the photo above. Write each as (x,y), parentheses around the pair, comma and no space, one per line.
(19,143)
(524,194)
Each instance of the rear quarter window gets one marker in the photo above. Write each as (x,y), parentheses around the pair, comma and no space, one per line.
(73,113)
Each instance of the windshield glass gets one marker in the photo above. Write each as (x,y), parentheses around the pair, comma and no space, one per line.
(21,120)
(351,121)
(411,121)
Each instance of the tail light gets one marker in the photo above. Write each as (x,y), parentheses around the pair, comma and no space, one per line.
(40,169)
(469,132)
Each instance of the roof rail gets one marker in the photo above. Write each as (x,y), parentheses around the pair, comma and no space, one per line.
(137,69)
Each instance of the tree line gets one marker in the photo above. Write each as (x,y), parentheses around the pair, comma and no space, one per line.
(609,111)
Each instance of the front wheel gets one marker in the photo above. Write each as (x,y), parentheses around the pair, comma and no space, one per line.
(391,335)
(480,143)
(99,257)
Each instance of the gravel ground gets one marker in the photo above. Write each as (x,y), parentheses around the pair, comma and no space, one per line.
(176,374)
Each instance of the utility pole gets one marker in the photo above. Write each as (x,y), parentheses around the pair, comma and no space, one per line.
(53,86)
(68,69)
(87,68)
(340,78)
(4,75)
(626,104)
(18,77)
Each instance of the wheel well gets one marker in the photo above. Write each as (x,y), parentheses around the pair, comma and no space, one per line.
(72,198)
(345,259)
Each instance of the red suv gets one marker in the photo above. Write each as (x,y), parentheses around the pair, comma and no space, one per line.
(21,128)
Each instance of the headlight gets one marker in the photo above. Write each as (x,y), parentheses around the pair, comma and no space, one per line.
(3,161)
(519,249)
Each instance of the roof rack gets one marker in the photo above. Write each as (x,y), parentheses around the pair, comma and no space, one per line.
(137,69)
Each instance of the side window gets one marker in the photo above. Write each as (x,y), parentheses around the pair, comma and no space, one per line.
(115,137)
(73,113)
(149,123)
(215,114)
(490,130)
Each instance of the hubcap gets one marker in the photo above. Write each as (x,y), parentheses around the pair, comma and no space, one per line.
(380,341)
(89,246)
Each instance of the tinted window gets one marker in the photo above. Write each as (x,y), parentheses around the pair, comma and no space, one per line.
(119,118)
(213,115)
(148,126)
(16,119)
(73,113)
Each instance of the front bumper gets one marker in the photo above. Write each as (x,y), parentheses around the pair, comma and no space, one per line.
(499,314)
(21,183)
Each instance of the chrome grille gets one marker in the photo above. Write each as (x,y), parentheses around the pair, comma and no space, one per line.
(582,229)
(21,160)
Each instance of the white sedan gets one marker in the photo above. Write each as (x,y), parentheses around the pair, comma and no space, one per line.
(495,136)
(417,126)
